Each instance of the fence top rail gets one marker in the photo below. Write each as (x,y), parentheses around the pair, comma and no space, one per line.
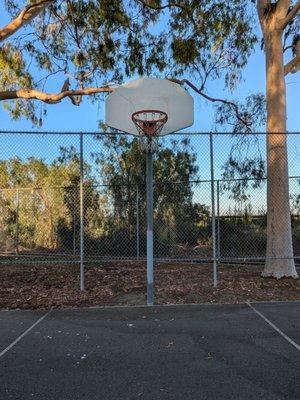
(102,133)
(236,179)
(103,185)
(38,187)
(228,216)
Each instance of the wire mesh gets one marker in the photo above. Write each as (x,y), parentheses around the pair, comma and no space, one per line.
(40,198)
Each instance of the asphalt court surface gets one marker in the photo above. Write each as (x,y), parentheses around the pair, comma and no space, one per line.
(171,352)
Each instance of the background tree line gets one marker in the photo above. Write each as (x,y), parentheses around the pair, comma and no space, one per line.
(39,201)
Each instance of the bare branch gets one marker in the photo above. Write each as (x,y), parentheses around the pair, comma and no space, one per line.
(293,66)
(45,78)
(213,100)
(291,15)
(51,98)
(25,16)
(288,48)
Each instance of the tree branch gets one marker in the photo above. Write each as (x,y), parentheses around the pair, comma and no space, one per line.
(25,16)
(213,99)
(291,15)
(294,65)
(262,7)
(288,47)
(282,8)
(51,98)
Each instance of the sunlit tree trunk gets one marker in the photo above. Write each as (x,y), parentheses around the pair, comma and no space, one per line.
(279,257)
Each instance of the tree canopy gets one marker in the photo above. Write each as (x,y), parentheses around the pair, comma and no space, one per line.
(88,44)
(84,45)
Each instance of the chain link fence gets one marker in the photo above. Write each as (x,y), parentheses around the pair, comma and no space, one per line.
(41,220)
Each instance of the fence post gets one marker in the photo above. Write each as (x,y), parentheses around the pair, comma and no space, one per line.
(213,216)
(137,224)
(81,216)
(218,223)
(17,221)
(74,227)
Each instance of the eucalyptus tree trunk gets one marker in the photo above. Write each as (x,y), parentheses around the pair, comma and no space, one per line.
(279,255)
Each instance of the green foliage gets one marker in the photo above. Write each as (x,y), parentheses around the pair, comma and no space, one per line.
(95,41)
(245,165)
(184,51)
(123,169)
(14,74)
(91,41)
(40,203)
(245,173)
(45,197)
(253,111)
(211,39)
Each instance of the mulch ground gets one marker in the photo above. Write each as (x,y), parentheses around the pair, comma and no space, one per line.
(44,286)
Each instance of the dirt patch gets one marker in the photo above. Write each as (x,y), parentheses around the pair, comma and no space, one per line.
(44,286)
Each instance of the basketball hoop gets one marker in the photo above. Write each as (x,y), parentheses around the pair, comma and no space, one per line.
(149,107)
(166,107)
(149,122)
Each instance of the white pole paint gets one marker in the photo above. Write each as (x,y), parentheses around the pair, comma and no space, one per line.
(81,216)
(150,261)
(213,211)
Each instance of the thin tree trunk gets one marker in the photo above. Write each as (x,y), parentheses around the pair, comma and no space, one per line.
(280,259)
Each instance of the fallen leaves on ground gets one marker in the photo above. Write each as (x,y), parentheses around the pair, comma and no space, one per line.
(124,283)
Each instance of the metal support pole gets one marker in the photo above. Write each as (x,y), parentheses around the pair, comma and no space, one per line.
(149,179)
(81,216)
(218,222)
(137,224)
(17,221)
(213,216)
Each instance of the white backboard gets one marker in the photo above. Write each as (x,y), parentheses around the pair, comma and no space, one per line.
(149,94)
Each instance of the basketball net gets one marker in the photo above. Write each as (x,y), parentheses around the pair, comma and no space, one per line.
(149,124)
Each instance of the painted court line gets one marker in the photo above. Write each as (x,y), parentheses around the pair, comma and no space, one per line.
(23,334)
(274,327)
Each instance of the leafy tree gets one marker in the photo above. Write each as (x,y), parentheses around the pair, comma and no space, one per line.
(35,206)
(80,43)
(8,218)
(43,201)
(212,38)
(122,166)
